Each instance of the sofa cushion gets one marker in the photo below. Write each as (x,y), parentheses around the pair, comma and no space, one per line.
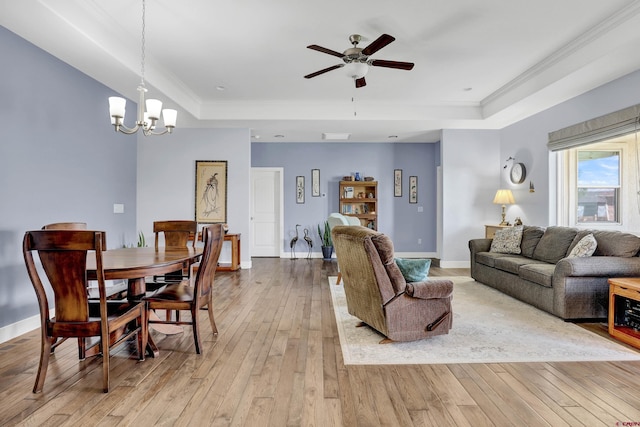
(512,264)
(554,243)
(616,243)
(530,237)
(507,240)
(585,247)
(489,258)
(542,274)
(414,270)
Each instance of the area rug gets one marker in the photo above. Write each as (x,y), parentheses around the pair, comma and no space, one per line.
(488,327)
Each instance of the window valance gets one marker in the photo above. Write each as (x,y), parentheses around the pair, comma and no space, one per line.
(601,128)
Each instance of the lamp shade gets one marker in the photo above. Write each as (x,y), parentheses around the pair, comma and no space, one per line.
(503,197)
(117,106)
(169,115)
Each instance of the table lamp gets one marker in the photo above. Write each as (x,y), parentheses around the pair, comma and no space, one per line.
(504,197)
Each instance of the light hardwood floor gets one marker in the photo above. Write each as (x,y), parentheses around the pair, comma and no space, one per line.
(277,361)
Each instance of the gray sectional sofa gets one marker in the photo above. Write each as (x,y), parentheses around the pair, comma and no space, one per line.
(542,275)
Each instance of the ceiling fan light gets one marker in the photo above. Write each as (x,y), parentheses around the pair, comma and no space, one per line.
(356,70)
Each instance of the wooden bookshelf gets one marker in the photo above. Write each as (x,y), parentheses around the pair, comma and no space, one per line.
(360,199)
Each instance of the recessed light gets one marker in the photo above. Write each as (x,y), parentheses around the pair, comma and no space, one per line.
(256,136)
(278,136)
(467,89)
(336,136)
(220,88)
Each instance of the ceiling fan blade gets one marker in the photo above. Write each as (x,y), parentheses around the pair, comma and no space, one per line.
(317,73)
(392,64)
(378,44)
(360,82)
(325,50)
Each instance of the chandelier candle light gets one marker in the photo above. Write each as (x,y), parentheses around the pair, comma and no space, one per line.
(503,197)
(145,120)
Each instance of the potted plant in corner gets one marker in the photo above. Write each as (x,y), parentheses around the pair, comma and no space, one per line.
(325,240)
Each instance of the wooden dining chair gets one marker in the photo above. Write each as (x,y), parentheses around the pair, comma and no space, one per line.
(176,234)
(65,226)
(68,226)
(196,293)
(63,255)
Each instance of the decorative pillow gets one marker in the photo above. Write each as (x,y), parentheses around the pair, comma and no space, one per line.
(585,247)
(414,270)
(507,240)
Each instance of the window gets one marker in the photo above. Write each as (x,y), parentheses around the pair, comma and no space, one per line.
(598,186)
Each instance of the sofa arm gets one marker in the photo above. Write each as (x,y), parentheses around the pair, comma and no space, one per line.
(479,245)
(430,289)
(598,266)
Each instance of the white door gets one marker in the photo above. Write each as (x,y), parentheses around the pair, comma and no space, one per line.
(266,212)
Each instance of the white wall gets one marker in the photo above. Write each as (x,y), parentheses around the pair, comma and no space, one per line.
(166,179)
(470,177)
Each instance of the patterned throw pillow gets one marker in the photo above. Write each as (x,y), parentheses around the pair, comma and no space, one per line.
(507,240)
(585,247)
(414,270)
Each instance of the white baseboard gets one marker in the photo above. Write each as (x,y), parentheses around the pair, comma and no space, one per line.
(14,330)
(455,264)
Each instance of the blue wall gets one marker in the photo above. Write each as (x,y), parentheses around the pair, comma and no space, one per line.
(396,216)
(60,160)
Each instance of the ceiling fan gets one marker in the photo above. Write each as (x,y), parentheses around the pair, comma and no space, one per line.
(357,59)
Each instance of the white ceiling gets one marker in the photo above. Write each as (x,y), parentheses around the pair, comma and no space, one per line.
(478,64)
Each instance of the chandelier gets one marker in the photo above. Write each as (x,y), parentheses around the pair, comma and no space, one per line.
(146,120)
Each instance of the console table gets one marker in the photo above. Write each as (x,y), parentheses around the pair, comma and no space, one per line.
(624,310)
(234,265)
(234,238)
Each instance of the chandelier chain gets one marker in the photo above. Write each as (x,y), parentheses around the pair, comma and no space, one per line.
(142,45)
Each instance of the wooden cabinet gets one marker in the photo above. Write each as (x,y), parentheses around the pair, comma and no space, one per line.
(360,199)
(624,310)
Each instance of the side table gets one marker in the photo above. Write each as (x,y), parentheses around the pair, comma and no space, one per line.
(624,310)
(490,230)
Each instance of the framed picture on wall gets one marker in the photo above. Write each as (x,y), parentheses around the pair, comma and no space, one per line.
(397,182)
(413,189)
(211,191)
(299,189)
(315,182)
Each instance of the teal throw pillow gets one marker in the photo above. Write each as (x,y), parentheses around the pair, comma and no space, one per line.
(414,270)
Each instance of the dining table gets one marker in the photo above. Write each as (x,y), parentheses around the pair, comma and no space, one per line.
(135,264)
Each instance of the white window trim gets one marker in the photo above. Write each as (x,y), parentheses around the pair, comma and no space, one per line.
(567,194)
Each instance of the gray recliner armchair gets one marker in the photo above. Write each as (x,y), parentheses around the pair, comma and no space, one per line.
(378,294)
